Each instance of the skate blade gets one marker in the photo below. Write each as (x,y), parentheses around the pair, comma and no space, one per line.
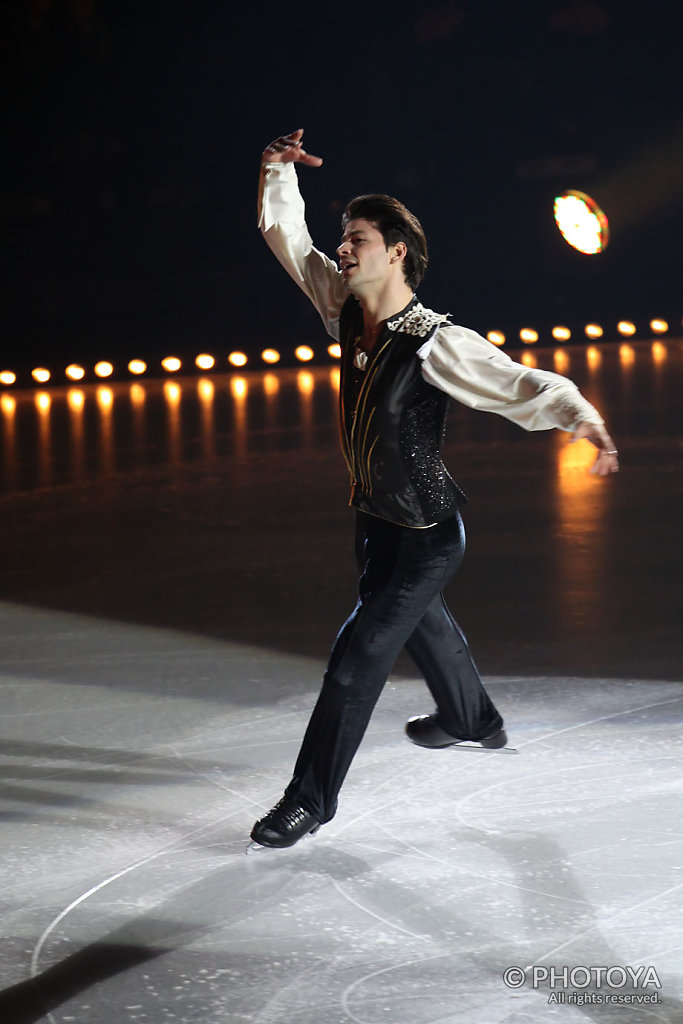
(254,847)
(474,745)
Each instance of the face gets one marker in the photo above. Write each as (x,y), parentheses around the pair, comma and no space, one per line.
(365,261)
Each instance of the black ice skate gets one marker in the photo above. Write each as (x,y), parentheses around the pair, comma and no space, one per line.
(425,731)
(284,826)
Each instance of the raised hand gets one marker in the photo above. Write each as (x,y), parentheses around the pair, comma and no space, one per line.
(288,149)
(606,460)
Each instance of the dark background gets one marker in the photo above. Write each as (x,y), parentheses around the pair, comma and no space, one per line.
(133,132)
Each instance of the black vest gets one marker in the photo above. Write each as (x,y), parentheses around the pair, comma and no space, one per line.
(392,426)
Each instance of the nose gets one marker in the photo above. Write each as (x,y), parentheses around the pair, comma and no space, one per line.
(343,248)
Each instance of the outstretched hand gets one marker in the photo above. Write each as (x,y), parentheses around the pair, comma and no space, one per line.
(288,149)
(606,460)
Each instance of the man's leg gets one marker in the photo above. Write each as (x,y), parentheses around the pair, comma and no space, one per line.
(440,651)
(405,571)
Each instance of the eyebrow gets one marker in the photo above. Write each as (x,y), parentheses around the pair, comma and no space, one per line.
(357,231)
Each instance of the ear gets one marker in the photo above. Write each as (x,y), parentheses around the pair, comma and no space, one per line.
(400,251)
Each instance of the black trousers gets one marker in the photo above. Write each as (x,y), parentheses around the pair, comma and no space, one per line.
(400,604)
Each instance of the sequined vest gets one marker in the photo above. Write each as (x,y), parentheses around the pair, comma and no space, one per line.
(392,422)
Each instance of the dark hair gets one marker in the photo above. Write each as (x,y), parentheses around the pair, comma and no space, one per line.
(396,224)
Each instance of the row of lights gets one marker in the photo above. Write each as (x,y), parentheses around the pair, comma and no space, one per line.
(171,364)
(625,327)
(305,381)
(304,354)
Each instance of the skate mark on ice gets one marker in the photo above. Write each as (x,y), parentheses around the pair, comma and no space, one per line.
(608,919)
(601,718)
(421,854)
(171,846)
(462,803)
(378,917)
(348,991)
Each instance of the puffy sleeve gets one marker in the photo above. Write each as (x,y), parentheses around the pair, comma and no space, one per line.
(473,371)
(283,225)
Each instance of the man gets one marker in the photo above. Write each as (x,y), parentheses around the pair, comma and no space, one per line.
(400,365)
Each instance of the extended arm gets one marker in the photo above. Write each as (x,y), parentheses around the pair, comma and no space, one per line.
(283,225)
(473,371)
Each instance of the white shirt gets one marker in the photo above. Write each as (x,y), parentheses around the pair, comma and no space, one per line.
(456,360)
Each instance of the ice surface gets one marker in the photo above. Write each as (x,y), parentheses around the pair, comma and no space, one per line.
(171,583)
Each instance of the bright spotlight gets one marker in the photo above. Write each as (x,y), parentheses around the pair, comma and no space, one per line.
(171,364)
(237,359)
(659,326)
(137,366)
(528,335)
(74,372)
(581,222)
(205,362)
(8,377)
(103,368)
(594,331)
(40,374)
(627,328)
(270,355)
(334,351)
(303,353)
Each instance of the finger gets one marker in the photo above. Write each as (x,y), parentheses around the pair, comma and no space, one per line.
(605,462)
(309,159)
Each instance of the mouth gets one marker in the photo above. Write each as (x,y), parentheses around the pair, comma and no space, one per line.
(346,266)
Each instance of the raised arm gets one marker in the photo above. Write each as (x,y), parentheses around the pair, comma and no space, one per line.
(283,225)
(473,371)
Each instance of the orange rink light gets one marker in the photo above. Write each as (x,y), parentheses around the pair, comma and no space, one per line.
(205,361)
(237,359)
(41,375)
(528,335)
(104,368)
(334,351)
(593,357)
(627,328)
(270,355)
(8,377)
(171,364)
(137,366)
(561,333)
(304,353)
(659,326)
(75,399)
(496,337)
(581,222)
(594,331)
